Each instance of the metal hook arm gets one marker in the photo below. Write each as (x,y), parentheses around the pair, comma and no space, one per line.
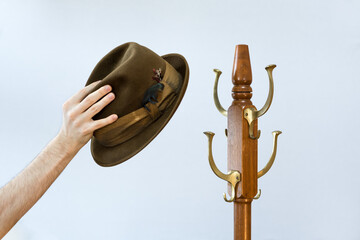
(232,198)
(251,114)
(273,155)
(251,131)
(216,97)
(233,177)
(267,104)
(258,195)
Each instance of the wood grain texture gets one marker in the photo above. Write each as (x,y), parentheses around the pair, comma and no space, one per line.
(242,150)
(242,220)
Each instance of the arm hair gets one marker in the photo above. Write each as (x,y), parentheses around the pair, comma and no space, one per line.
(23,191)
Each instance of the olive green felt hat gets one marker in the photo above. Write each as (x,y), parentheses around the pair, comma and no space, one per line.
(148,89)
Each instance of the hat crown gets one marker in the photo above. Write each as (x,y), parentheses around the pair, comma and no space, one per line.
(129,70)
(142,115)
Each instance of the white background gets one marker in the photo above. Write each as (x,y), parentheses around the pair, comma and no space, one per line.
(167,191)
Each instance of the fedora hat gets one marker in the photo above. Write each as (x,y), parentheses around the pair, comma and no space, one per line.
(148,90)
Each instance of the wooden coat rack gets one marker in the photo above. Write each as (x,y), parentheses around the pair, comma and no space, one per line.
(243,135)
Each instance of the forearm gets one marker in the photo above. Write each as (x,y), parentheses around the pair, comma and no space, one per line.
(22,192)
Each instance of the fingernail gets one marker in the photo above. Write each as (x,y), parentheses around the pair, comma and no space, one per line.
(111,96)
(107,88)
(114,116)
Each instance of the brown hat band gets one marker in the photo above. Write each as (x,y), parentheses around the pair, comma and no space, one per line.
(133,123)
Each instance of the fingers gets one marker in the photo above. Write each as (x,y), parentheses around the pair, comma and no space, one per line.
(78,125)
(99,105)
(80,95)
(92,98)
(104,121)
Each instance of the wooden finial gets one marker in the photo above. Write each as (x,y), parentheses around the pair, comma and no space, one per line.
(242,76)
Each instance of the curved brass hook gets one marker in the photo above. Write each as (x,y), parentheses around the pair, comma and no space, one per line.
(258,195)
(273,155)
(250,114)
(233,177)
(233,194)
(267,104)
(216,97)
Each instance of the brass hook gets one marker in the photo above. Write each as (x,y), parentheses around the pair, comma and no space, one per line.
(251,127)
(216,97)
(233,194)
(233,177)
(258,195)
(273,155)
(251,114)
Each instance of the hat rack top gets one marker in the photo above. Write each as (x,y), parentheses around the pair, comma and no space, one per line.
(242,76)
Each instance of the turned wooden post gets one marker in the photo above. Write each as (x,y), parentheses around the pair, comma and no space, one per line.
(242,150)
(242,139)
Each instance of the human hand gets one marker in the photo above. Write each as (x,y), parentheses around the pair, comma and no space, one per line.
(78,125)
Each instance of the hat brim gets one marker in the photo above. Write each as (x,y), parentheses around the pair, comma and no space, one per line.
(111,156)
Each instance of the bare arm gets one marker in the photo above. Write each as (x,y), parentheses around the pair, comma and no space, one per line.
(22,192)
